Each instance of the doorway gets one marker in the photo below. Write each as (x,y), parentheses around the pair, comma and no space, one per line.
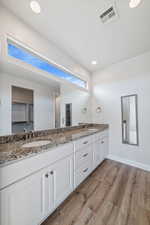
(68,113)
(22,110)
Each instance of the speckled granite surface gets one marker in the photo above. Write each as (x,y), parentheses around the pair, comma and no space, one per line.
(11,149)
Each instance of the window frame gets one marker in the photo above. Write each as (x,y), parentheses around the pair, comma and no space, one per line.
(45,60)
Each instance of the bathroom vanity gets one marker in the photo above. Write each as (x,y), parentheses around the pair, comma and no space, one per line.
(33,185)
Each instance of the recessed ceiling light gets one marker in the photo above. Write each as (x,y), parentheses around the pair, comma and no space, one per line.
(94,62)
(35,6)
(134,3)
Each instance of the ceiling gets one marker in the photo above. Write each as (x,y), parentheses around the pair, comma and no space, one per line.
(75,27)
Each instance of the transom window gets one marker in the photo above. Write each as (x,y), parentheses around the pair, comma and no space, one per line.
(28,57)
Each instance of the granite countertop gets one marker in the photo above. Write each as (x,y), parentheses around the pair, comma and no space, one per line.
(13,151)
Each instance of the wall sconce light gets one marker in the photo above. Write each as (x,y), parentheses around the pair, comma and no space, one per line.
(84,110)
(98,109)
(134,3)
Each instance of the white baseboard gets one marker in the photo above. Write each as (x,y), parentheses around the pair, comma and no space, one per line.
(129,162)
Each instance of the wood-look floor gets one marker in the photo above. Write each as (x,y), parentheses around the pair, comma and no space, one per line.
(115,194)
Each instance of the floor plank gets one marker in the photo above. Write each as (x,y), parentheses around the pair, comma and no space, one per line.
(114,194)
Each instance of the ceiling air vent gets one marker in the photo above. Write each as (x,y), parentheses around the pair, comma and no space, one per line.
(109,15)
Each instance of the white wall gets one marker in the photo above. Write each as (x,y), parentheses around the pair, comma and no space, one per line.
(128,77)
(10,24)
(79,100)
(44,117)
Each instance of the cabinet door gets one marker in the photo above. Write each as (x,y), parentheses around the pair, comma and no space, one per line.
(48,193)
(24,202)
(97,153)
(104,147)
(63,179)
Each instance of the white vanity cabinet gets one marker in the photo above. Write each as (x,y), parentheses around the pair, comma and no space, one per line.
(97,153)
(100,148)
(31,189)
(24,202)
(57,184)
(104,146)
(62,173)
(82,159)
(89,154)
(33,198)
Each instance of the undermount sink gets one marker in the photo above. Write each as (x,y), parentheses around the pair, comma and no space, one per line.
(36,144)
(93,130)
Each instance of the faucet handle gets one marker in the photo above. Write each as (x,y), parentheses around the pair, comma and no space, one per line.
(25,130)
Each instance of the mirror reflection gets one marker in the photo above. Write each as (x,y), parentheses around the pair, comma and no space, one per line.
(32,105)
(22,110)
(129,120)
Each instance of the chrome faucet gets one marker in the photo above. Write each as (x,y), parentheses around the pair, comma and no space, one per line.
(25,130)
(31,134)
(28,135)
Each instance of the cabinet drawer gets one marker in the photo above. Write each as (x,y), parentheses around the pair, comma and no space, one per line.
(82,173)
(83,142)
(83,156)
(100,135)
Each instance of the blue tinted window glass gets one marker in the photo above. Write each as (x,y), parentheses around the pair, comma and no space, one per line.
(25,56)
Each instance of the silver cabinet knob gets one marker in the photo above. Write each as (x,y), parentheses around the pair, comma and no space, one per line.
(84,171)
(46,175)
(85,155)
(52,172)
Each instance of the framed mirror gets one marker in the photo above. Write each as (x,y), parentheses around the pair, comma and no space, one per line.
(129,120)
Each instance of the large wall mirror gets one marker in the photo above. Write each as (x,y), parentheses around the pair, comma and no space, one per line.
(31,106)
(129,120)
